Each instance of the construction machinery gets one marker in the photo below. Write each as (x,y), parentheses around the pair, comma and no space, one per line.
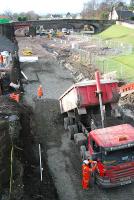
(27,51)
(91,119)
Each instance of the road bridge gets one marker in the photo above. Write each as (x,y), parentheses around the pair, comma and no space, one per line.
(76,24)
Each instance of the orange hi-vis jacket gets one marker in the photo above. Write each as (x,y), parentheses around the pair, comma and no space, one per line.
(40,91)
(86,171)
(86,174)
(1,59)
(15,97)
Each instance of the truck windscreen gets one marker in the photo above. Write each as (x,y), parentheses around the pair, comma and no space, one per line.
(118,156)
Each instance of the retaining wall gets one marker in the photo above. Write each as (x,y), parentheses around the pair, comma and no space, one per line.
(126,24)
(7,30)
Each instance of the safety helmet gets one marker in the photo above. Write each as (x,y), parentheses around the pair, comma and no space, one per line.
(86,162)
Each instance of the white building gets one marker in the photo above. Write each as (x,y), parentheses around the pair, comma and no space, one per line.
(120,14)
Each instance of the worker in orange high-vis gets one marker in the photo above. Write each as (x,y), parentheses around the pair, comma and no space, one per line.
(87,168)
(1,60)
(40,91)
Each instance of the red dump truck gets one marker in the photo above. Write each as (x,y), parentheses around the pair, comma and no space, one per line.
(112,146)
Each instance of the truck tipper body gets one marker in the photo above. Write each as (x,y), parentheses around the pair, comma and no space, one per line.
(113,145)
(83,95)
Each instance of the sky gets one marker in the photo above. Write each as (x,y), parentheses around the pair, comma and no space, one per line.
(43,6)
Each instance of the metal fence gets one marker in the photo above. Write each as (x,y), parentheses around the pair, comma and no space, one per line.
(101,55)
(104,64)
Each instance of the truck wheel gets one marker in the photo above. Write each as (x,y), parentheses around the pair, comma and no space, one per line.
(71,122)
(82,152)
(66,123)
(71,132)
(75,128)
(108,110)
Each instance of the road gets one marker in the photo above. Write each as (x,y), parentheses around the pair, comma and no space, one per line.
(61,154)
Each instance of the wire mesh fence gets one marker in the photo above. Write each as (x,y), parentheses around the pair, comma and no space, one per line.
(101,55)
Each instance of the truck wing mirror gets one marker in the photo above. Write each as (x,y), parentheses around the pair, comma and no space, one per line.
(95,156)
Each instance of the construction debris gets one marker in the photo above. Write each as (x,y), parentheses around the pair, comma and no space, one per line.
(27,51)
(128,99)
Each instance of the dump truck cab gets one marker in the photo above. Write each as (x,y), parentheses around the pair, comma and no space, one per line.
(113,148)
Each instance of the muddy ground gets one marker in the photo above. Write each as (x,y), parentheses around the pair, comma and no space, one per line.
(61,158)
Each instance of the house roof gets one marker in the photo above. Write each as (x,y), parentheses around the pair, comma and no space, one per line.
(4,17)
(124,13)
(56,15)
(114,136)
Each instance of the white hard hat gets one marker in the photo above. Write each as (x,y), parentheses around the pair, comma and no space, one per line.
(86,162)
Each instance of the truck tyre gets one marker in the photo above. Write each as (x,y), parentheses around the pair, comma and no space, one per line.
(75,128)
(71,132)
(66,123)
(108,110)
(82,152)
(71,122)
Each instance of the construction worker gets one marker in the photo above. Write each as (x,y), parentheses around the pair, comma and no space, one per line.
(87,168)
(40,91)
(1,60)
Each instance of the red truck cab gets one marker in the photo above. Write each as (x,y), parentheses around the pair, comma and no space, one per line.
(113,148)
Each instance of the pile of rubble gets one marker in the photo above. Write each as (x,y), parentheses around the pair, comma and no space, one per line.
(128,99)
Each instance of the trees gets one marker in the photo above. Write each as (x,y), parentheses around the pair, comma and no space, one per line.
(23,16)
(103,10)
(8,13)
(132,3)
(93,10)
(89,10)
(31,15)
(131,6)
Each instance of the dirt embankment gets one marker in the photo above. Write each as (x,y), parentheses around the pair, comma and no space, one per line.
(19,158)
(128,99)
(127,108)
(11,126)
